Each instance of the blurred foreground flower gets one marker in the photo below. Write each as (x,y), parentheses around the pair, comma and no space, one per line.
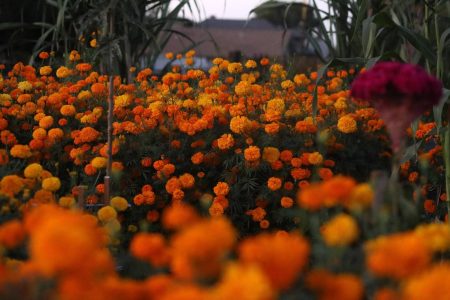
(400,92)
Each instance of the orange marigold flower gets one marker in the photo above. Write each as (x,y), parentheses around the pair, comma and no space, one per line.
(287,202)
(226,141)
(252,153)
(150,247)
(391,256)
(347,124)
(335,286)
(197,158)
(428,285)
(20,151)
(221,189)
(274,183)
(281,256)
(12,234)
(178,216)
(216,237)
(187,180)
(270,154)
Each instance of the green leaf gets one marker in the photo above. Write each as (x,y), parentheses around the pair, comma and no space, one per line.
(410,152)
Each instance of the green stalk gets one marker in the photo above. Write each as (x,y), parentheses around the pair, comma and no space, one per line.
(447,163)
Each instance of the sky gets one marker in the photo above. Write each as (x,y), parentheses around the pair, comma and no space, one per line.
(229,9)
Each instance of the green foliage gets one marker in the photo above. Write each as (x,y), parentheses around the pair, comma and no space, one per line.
(135,30)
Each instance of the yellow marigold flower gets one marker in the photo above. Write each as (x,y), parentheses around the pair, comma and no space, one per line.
(119,203)
(362,196)
(45,70)
(122,100)
(276,104)
(271,154)
(243,88)
(226,141)
(239,124)
(33,170)
(250,64)
(25,86)
(234,68)
(341,230)
(315,158)
(112,227)
(20,151)
(217,61)
(84,95)
(301,79)
(252,153)
(67,201)
(51,184)
(204,100)
(347,124)
(63,72)
(106,213)
(99,162)
(286,84)
(93,43)
(341,103)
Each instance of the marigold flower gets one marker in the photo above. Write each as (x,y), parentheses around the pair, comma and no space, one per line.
(391,256)
(428,285)
(281,256)
(274,183)
(20,151)
(286,202)
(239,124)
(99,162)
(347,124)
(252,154)
(63,72)
(341,230)
(12,234)
(106,213)
(179,215)
(150,247)
(33,170)
(119,203)
(226,141)
(51,184)
(67,201)
(335,286)
(221,189)
(271,154)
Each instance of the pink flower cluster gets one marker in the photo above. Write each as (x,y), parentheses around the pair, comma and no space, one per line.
(400,92)
(392,83)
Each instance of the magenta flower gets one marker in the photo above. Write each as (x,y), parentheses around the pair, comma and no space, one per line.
(400,92)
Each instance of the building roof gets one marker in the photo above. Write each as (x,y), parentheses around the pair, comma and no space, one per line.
(216,37)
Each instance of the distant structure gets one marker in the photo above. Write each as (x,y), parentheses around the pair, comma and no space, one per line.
(241,39)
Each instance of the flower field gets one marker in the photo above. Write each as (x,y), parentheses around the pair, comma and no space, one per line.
(243,181)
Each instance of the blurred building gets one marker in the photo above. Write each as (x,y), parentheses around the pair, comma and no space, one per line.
(241,39)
